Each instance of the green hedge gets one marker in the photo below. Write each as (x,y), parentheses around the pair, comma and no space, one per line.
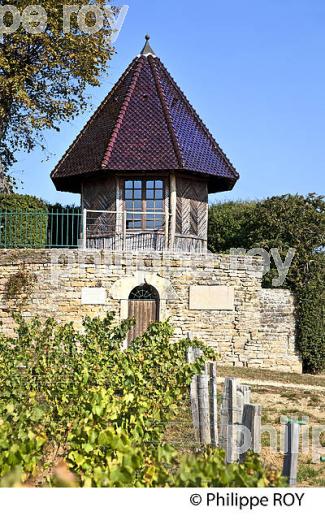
(23,221)
(311,323)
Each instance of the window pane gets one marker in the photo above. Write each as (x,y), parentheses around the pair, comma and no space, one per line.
(159,185)
(128,185)
(137,205)
(129,204)
(150,204)
(137,185)
(159,204)
(159,194)
(137,224)
(129,194)
(150,194)
(150,185)
(138,194)
(150,224)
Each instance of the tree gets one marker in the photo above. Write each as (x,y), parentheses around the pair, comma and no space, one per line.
(290,221)
(294,221)
(44,76)
(284,222)
(228,223)
(5,182)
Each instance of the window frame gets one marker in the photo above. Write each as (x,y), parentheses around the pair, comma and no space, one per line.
(157,214)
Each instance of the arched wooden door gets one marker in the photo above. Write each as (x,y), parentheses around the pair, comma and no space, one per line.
(144,308)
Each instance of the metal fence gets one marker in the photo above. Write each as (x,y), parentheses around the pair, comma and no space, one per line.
(40,229)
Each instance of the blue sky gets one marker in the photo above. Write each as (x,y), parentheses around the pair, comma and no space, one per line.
(255,72)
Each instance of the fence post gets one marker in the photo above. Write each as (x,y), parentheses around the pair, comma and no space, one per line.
(211,369)
(291,450)
(252,416)
(204,408)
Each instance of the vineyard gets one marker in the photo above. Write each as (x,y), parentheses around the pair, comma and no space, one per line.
(78,410)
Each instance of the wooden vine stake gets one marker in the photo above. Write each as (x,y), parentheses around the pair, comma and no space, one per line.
(291,451)
(228,439)
(235,398)
(252,419)
(192,355)
(243,397)
(204,409)
(211,369)
(204,401)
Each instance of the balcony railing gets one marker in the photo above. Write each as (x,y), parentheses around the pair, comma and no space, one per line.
(94,229)
(125,230)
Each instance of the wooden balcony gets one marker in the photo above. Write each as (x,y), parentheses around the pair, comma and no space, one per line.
(136,231)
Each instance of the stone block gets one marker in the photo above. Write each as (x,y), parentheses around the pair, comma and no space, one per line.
(214,297)
(93,296)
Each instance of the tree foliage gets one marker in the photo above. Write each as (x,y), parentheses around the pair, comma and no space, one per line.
(43,77)
(290,221)
(284,222)
(229,225)
(103,410)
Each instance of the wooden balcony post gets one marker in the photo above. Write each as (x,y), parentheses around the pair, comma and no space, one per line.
(166,219)
(124,219)
(84,229)
(173,204)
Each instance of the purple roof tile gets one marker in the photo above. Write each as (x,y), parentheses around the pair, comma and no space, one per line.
(145,124)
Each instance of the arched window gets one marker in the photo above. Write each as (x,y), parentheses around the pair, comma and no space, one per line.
(144,292)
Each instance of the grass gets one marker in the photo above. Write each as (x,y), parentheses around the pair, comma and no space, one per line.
(292,411)
(289,395)
(322,439)
(269,375)
(306,472)
(314,400)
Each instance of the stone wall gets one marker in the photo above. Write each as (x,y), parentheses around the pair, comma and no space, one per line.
(278,324)
(255,329)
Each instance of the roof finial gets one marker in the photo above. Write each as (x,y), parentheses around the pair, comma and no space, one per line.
(147,50)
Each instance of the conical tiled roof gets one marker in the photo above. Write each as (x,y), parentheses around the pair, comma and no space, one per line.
(145,124)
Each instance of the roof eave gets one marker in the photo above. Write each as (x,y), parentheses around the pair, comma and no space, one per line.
(73,183)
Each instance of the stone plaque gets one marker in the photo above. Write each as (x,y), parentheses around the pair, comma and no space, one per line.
(212,297)
(93,296)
